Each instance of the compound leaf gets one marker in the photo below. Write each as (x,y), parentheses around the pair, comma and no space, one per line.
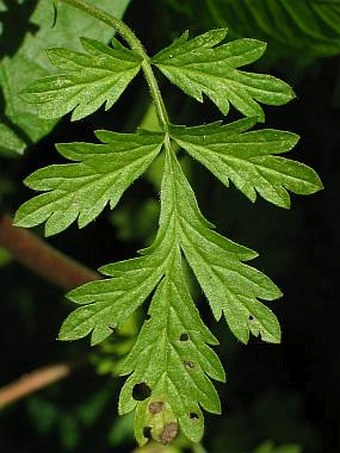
(171,364)
(101,175)
(205,66)
(248,159)
(90,80)
(171,358)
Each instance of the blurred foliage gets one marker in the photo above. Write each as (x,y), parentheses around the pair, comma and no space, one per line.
(290,27)
(137,221)
(269,447)
(24,60)
(5,257)
(297,33)
(49,417)
(281,399)
(308,26)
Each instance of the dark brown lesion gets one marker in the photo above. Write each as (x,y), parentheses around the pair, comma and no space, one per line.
(156,407)
(189,364)
(169,433)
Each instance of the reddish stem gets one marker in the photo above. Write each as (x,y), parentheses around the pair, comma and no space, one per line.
(31,382)
(55,267)
(41,258)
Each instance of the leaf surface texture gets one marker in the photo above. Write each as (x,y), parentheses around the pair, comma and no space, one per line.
(82,190)
(90,80)
(249,159)
(309,26)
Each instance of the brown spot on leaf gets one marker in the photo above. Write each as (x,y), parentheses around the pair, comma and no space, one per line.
(156,407)
(184,337)
(189,364)
(169,433)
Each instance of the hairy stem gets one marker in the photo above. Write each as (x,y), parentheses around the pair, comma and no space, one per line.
(128,35)
(41,258)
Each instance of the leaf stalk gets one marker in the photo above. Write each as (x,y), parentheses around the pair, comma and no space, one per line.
(135,44)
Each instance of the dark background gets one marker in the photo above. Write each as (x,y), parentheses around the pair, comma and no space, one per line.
(287,393)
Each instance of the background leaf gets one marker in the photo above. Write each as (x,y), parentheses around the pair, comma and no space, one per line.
(10,143)
(299,27)
(27,61)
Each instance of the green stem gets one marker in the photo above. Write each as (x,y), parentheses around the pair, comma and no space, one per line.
(162,113)
(128,35)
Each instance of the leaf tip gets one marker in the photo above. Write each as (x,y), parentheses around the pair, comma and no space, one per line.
(17,221)
(318,184)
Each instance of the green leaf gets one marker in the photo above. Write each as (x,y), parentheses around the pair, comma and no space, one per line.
(248,159)
(172,357)
(231,287)
(205,66)
(89,80)
(171,363)
(101,175)
(105,305)
(30,62)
